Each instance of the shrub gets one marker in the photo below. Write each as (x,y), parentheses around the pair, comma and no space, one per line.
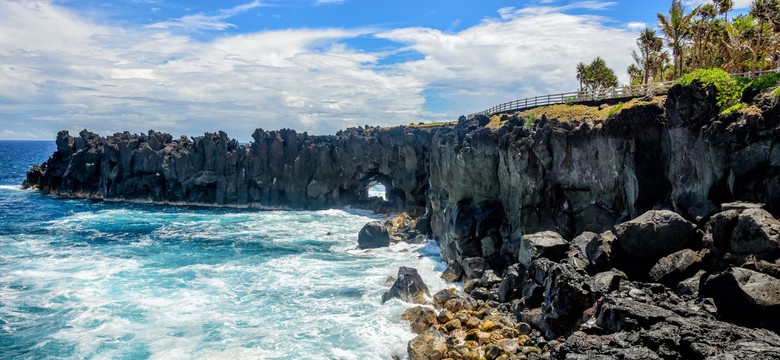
(729,90)
(529,122)
(764,83)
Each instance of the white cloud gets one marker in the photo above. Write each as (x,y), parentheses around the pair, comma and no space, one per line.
(207,22)
(738,4)
(329,2)
(59,70)
(528,52)
(636,25)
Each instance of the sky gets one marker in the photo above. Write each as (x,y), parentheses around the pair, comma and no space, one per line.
(189,67)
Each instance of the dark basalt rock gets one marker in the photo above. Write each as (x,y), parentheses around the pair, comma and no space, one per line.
(547,244)
(408,286)
(487,194)
(747,231)
(641,242)
(453,272)
(373,235)
(279,169)
(746,297)
(676,266)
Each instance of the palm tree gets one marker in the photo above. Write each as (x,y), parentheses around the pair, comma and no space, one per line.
(724,6)
(677,29)
(766,13)
(650,46)
(736,43)
(581,69)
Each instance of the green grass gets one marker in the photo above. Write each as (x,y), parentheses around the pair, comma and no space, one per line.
(615,109)
(432,124)
(737,107)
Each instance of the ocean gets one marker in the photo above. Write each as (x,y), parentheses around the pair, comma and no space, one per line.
(95,280)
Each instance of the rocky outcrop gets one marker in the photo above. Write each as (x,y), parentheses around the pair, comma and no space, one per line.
(279,169)
(408,286)
(496,185)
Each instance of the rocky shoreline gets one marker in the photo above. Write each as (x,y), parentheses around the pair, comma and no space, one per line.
(656,287)
(652,234)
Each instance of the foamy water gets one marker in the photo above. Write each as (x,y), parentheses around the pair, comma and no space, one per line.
(80,279)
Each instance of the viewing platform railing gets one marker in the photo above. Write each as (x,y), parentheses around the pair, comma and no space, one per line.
(575,97)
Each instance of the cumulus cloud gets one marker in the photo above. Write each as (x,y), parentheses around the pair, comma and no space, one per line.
(636,25)
(60,70)
(527,52)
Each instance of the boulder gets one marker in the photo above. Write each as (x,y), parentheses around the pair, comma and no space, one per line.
(509,288)
(676,266)
(605,282)
(454,300)
(757,233)
(641,242)
(408,286)
(691,285)
(453,272)
(744,230)
(430,345)
(420,318)
(474,267)
(599,252)
(566,296)
(546,244)
(745,296)
(373,235)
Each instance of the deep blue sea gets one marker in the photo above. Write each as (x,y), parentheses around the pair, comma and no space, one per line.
(93,280)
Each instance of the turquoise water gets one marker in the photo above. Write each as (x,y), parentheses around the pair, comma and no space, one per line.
(82,279)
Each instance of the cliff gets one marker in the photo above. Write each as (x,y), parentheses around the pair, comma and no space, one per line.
(279,169)
(490,187)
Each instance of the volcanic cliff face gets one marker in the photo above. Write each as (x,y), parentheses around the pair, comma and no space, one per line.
(490,187)
(279,169)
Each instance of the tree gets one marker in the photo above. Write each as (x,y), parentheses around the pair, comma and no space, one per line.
(598,77)
(650,57)
(676,27)
(635,74)
(736,43)
(581,67)
(767,15)
(724,6)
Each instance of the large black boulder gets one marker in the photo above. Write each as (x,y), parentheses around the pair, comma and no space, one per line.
(746,297)
(408,286)
(373,235)
(641,242)
(546,244)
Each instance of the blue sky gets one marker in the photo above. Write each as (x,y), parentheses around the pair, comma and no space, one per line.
(187,67)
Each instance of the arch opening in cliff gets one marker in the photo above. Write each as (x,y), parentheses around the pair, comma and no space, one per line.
(377,190)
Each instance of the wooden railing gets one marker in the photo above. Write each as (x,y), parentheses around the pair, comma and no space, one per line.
(575,97)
